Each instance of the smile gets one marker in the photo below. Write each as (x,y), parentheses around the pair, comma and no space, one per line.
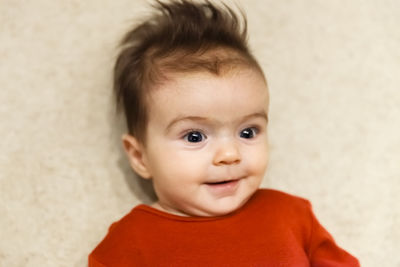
(223,182)
(223,188)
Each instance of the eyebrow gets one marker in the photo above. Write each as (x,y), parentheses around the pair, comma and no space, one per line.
(260,114)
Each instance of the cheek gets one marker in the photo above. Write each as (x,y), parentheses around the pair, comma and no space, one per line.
(171,165)
(257,160)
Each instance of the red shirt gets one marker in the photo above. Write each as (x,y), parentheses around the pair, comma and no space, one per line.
(272,229)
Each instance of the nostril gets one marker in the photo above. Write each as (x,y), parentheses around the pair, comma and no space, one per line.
(227,154)
(226,162)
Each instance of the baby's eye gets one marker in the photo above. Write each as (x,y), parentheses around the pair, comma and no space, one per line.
(248,133)
(194,137)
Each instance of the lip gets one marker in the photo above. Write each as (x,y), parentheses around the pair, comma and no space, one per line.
(224,187)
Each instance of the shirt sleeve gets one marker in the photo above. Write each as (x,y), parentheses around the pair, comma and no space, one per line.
(94,263)
(323,250)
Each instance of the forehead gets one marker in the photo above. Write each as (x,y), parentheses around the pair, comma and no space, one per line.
(232,78)
(238,92)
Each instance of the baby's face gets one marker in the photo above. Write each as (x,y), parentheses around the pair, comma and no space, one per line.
(206,144)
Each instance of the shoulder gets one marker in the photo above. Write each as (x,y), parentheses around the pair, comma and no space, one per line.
(282,206)
(120,239)
(280,198)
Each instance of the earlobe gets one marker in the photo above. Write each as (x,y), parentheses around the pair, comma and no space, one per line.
(135,153)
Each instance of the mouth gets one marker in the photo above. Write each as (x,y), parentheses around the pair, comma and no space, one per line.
(222,182)
(223,188)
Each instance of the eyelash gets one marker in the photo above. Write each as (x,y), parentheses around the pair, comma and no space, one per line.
(254,130)
(186,134)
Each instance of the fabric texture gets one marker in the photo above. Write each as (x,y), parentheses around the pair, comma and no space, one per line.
(272,229)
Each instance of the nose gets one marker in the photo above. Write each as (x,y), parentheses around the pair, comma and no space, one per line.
(227,153)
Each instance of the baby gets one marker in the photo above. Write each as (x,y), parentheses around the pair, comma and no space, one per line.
(196,105)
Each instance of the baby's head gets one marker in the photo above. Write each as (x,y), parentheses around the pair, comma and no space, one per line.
(196,106)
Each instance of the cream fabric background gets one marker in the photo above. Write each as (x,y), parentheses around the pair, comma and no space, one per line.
(334,74)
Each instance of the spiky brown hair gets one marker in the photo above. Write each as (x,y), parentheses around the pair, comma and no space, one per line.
(181,36)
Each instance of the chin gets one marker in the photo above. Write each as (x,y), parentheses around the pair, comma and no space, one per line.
(221,210)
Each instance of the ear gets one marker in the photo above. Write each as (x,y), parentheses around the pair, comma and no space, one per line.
(135,153)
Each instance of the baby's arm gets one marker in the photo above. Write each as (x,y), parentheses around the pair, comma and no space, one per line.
(323,250)
(94,263)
